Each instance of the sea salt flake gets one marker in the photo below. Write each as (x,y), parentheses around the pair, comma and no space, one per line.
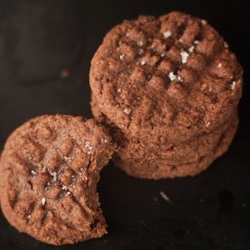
(233,85)
(196,42)
(33,172)
(140,43)
(54,175)
(29,216)
(208,124)
(44,169)
(172,76)
(179,79)
(143,63)
(219,65)
(67,158)
(226,45)
(165,197)
(43,200)
(140,52)
(204,22)
(104,140)
(119,90)
(167,34)
(64,187)
(162,55)
(122,56)
(184,56)
(127,111)
(89,147)
(191,49)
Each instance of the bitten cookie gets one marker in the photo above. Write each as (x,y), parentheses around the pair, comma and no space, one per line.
(49,170)
(161,84)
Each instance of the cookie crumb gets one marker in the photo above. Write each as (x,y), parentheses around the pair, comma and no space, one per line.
(167,34)
(65,73)
(184,56)
(165,197)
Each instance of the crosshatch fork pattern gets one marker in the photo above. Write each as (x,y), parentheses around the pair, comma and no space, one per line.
(52,176)
(181,57)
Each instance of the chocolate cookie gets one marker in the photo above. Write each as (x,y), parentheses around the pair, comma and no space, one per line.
(161,83)
(200,153)
(49,170)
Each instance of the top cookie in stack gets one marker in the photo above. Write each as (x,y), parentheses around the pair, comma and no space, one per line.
(168,88)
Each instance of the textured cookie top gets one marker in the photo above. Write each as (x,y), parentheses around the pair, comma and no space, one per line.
(48,172)
(171,77)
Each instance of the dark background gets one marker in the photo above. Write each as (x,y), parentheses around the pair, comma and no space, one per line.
(45,53)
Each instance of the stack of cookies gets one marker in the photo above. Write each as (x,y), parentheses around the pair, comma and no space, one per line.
(168,89)
(165,90)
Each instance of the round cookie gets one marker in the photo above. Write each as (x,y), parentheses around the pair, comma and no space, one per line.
(163,82)
(49,170)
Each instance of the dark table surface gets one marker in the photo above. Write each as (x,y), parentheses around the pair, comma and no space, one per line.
(45,53)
